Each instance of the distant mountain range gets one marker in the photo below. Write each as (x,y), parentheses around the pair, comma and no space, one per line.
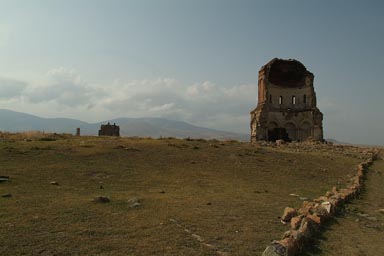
(13,121)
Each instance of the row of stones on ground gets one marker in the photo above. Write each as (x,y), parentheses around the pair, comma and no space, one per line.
(306,221)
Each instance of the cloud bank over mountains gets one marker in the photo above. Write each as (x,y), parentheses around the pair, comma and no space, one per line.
(64,92)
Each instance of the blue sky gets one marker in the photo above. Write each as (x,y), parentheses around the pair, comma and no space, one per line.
(195,61)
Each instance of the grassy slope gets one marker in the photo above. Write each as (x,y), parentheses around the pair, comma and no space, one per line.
(228,193)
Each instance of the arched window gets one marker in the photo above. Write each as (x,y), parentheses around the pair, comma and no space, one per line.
(305,99)
(280,100)
(293,100)
(270,98)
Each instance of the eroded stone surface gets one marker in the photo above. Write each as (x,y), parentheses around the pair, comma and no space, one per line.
(275,249)
(288,214)
(296,222)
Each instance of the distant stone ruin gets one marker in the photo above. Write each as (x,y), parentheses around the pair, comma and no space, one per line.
(286,108)
(109,130)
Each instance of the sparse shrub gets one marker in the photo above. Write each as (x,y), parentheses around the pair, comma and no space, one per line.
(191,139)
(47,139)
(87,146)
(101,199)
(132,149)
(41,148)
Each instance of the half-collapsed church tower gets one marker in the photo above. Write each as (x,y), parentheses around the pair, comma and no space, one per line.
(286,107)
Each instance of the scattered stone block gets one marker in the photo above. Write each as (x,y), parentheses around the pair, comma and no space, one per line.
(135,205)
(275,249)
(288,214)
(306,208)
(55,183)
(307,228)
(296,222)
(291,245)
(327,206)
(287,234)
(134,202)
(316,219)
(321,199)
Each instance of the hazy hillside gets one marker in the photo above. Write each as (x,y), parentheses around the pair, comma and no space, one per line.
(143,127)
(15,122)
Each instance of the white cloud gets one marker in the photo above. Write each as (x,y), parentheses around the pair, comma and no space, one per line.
(163,108)
(64,92)
(64,87)
(202,103)
(204,90)
(10,88)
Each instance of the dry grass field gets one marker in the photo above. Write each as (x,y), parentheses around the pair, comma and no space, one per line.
(195,197)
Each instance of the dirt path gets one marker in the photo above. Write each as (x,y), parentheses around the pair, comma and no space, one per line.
(360,230)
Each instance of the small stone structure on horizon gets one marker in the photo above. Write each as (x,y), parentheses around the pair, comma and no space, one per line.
(77,131)
(286,108)
(109,130)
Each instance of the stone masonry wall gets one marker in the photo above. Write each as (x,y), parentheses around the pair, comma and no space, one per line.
(306,221)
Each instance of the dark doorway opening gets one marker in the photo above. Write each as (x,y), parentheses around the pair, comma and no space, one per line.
(278,134)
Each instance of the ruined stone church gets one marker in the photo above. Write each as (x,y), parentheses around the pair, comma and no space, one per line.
(286,107)
(109,130)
